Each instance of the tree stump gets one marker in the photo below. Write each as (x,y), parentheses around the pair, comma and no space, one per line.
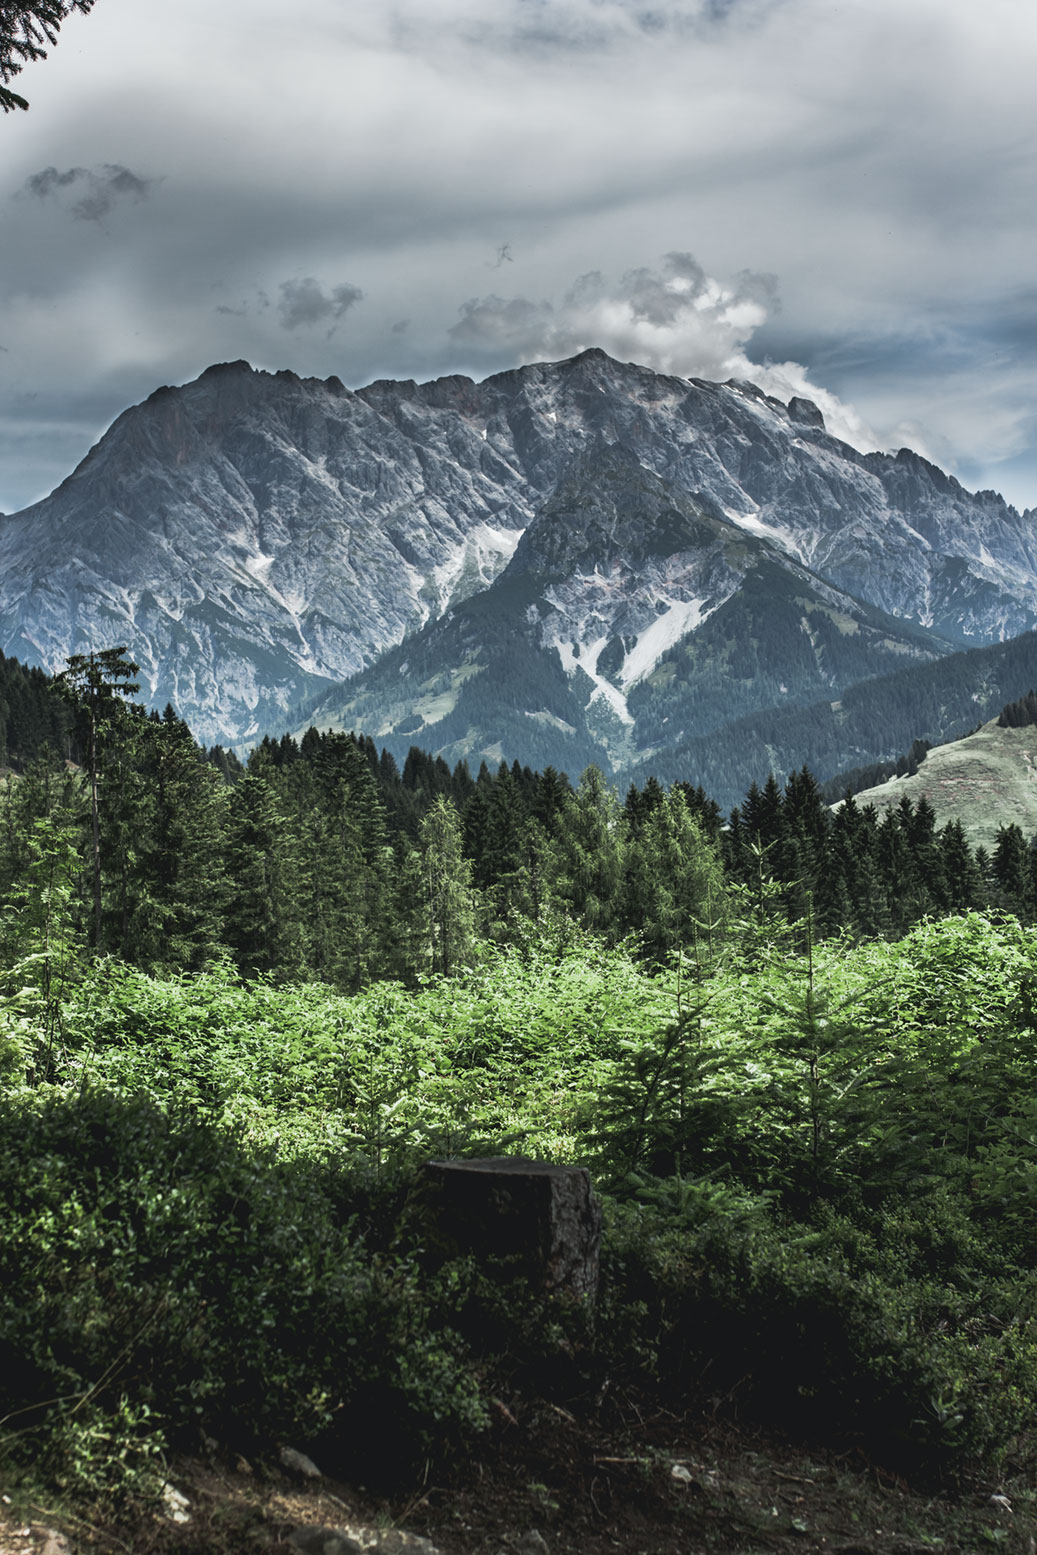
(542,1216)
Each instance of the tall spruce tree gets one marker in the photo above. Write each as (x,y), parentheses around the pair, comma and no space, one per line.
(1011,870)
(589,854)
(41,879)
(96,685)
(963,880)
(261,927)
(181,819)
(674,895)
(448,901)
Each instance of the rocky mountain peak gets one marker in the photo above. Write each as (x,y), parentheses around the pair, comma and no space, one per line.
(256,538)
(606,507)
(805,413)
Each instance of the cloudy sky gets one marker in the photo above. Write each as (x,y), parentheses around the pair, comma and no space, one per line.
(833,197)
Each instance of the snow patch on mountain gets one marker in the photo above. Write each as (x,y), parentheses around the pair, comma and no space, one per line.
(679,617)
(480,558)
(551,721)
(585,656)
(758,526)
(259,566)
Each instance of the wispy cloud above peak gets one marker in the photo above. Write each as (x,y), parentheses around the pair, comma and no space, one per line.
(673,317)
(305,303)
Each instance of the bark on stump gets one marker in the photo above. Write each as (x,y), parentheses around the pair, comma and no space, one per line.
(542,1215)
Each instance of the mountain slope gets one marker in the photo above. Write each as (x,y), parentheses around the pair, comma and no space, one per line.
(255,538)
(252,538)
(986,781)
(629,617)
(874,720)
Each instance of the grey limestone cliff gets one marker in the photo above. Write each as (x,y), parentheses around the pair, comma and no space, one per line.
(257,538)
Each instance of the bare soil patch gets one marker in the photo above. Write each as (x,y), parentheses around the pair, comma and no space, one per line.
(550,1481)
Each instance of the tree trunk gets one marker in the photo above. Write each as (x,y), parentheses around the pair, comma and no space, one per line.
(543,1215)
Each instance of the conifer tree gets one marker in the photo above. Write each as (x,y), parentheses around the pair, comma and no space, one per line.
(675,892)
(804,814)
(96,684)
(1011,869)
(41,873)
(964,882)
(448,898)
(931,884)
(364,862)
(174,869)
(549,798)
(831,899)
(261,928)
(705,810)
(501,855)
(896,868)
(589,853)
(640,803)
(25,27)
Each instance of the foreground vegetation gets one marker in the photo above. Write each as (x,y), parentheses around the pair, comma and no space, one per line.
(819,1170)
(241,1007)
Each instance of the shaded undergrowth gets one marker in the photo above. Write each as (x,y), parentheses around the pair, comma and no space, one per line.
(819,1173)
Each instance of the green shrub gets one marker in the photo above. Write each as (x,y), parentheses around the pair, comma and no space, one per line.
(827,1166)
(153,1268)
(826,1330)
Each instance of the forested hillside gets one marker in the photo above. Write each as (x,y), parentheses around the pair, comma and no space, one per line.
(887,714)
(32,715)
(322,859)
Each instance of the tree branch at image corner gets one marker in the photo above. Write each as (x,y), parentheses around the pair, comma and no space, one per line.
(26,31)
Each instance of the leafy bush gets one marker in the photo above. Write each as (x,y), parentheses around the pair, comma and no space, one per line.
(823,1331)
(154,1269)
(823,1171)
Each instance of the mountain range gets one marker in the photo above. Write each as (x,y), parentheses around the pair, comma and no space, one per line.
(568,562)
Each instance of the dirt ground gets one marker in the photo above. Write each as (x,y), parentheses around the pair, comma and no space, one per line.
(547,1483)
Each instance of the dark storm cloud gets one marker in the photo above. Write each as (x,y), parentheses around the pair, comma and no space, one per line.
(494,321)
(544,28)
(50,179)
(100,187)
(305,303)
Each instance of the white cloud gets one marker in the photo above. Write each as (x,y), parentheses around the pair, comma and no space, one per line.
(674,318)
(878,158)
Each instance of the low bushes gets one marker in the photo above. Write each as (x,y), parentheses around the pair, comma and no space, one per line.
(821,1177)
(159,1279)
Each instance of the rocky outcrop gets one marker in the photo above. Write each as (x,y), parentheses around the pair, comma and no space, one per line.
(355,1540)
